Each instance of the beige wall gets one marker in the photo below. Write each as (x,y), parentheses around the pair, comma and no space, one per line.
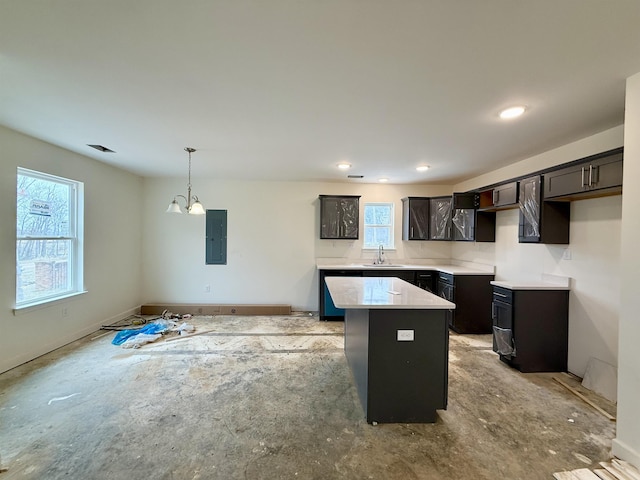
(627,442)
(273,240)
(112,273)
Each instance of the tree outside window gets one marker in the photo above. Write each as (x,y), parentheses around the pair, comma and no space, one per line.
(378,225)
(48,237)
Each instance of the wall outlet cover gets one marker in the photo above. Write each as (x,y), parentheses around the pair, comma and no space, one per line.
(405,335)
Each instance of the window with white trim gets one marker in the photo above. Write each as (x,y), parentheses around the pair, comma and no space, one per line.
(378,225)
(49,237)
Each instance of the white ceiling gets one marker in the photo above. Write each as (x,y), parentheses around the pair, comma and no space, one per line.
(285,89)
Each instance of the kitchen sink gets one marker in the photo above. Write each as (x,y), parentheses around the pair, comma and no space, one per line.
(383,265)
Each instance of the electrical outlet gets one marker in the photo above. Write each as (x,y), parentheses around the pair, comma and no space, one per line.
(566,254)
(405,335)
(207,288)
(65,312)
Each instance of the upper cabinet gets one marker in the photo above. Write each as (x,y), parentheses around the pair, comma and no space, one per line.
(500,197)
(440,218)
(339,217)
(415,218)
(541,221)
(596,176)
(452,218)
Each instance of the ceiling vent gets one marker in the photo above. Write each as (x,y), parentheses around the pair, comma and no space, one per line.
(101,148)
(355,176)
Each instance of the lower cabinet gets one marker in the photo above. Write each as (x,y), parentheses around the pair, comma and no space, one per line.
(530,328)
(327,309)
(472,296)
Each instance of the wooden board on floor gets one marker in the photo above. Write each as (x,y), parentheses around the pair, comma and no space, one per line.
(616,472)
(603,474)
(215,309)
(585,399)
(580,474)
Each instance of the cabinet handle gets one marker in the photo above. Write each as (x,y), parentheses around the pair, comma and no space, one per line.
(500,294)
(494,194)
(493,311)
(590,174)
(411,232)
(582,178)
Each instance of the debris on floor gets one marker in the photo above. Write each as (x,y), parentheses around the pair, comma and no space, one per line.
(616,469)
(134,338)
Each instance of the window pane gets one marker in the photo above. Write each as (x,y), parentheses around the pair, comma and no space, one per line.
(43,268)
(369,238)
(369,214)
(383,215)
(42,207)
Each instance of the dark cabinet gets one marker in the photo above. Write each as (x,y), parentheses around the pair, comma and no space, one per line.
(406,275)
(339,217)
(415,218)
(598,176)
(453,218)
(530,328)
(541,221)
(327,309)
(472,296)
(440,218)
(500,197)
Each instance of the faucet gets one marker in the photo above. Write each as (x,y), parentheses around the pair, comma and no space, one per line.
(380,259)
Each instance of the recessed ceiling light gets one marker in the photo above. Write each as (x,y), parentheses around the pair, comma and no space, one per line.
(512,112)
(422,168)
(344,166)
(383,180)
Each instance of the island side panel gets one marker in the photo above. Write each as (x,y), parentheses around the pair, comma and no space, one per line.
(408,380)
(356,349)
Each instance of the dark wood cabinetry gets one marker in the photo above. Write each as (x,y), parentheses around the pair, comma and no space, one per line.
(415,218)
(541,221)
(453,218)
(597,176)
(327,309)
(530,328)
(472,296)
(500,197)
(339,217)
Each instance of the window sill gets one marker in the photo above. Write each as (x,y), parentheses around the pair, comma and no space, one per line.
(30,307)
(375,249)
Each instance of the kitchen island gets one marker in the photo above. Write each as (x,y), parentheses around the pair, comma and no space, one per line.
(396,341)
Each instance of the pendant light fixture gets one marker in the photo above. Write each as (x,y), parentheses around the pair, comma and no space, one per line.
(194,208)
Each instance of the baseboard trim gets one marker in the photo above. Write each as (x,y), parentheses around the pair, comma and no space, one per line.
(625,452)
(214,309)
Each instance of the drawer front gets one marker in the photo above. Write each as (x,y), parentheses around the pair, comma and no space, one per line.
(503,295)
(445,277)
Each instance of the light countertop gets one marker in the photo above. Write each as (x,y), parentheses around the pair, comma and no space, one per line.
(547,282)
(382,292)
(452,269)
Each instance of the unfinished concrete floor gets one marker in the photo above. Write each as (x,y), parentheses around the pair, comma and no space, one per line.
(272,398)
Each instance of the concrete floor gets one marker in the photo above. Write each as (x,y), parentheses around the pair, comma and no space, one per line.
(272,398)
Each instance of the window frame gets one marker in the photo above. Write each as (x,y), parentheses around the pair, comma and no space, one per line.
(390,226)
(75,237)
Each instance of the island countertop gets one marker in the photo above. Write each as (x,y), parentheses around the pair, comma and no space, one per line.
(382,293)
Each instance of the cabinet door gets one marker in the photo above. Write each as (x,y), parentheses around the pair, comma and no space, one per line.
(504,195)
(529,200)
(463,224)
(415,218)
(440,218)
(586,179)
(339,217)
(605,172)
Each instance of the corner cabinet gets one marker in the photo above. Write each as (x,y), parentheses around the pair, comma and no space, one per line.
(541,221)
(339,217)
(453,218)
(597,176)
(415,218)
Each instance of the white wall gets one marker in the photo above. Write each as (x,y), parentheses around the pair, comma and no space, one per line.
(273,240)
(627,442)
(594,246)
(112,272)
